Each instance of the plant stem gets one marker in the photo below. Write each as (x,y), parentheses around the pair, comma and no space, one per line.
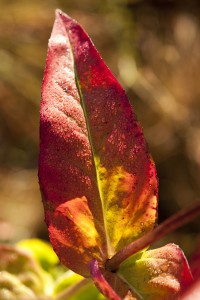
(71,290)
(179,219)
(101,283)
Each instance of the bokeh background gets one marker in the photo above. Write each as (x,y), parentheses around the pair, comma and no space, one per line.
(153,48)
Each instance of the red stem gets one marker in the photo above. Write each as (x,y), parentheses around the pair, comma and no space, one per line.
(179,219)
(101,283)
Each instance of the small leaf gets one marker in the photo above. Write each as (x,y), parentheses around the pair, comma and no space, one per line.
(157,274)
(97,178)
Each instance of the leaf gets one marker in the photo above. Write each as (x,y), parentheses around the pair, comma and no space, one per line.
(157,274)
(97,178)
(41,251)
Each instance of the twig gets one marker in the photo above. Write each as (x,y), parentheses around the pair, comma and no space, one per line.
(179,219)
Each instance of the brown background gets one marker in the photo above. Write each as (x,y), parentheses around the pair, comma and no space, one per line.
(153,48)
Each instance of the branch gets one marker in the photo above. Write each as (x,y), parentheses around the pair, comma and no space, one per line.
(179,219)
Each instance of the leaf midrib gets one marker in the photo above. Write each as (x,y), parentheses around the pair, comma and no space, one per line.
(108,243)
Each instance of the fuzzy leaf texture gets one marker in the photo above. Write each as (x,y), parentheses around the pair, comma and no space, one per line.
(97,179)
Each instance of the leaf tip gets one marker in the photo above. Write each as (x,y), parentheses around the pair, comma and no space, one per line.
(58,11)
(58,35)
(60,14)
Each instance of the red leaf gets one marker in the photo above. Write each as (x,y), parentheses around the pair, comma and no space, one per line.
(97,178)
(126,175)
(66,169)
(98,181)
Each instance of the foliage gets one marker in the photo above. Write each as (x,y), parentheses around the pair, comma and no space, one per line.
(152,47)
(97,178)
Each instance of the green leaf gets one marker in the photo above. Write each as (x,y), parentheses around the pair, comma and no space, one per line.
(41,251)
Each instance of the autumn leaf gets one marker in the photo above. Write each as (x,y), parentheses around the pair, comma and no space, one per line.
(97,179)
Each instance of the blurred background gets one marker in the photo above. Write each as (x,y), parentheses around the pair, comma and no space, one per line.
(153,48)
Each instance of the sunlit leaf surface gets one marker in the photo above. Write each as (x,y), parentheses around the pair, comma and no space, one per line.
(98,181)
(97,178)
